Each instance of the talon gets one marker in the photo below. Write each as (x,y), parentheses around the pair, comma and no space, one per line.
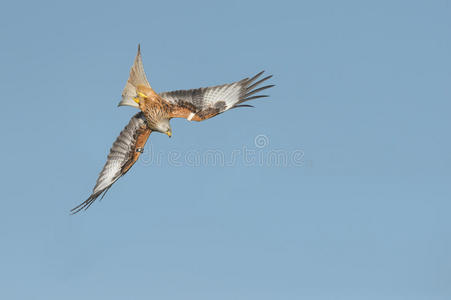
(138,97)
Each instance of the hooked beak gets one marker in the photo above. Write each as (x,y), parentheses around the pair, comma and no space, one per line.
(169,133)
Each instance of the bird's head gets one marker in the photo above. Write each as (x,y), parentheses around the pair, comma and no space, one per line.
(164,126)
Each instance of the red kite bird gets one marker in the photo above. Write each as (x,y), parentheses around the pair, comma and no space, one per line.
(156,112)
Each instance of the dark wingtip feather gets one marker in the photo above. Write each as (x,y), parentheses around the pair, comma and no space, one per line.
(255,77)
(250,85)
(83,205)
(258,90)
(256,97)
(243,105)
(258,82)
(88,202)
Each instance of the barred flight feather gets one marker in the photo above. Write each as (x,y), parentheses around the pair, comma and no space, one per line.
(122,156)
(210,101)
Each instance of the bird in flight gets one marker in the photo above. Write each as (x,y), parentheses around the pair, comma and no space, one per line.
(156,110)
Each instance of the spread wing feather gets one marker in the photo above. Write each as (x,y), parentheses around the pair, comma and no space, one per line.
(123,154)
(204,103)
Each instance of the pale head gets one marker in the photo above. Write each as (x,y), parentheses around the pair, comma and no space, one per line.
(163,126)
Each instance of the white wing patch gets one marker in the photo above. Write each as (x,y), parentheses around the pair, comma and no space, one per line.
(191,116)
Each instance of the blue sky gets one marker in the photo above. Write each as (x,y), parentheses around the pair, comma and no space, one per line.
(363,93)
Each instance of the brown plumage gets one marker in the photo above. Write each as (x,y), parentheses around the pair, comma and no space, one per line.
(156,112)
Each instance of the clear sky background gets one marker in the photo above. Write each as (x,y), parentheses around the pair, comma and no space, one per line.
(363,92)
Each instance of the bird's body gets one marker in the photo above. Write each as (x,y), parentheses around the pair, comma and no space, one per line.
(156,112)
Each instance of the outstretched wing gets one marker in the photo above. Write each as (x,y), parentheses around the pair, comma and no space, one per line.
(204,103)
(123,154)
